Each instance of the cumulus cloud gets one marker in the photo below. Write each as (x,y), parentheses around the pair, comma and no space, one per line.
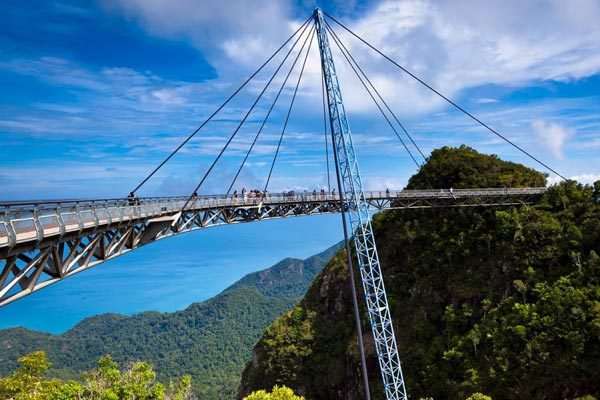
(552,135)
(215,27)
(453,44)
(587,179)
(382,183)
(461,44)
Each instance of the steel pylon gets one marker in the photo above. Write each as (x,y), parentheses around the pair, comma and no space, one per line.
(360,223)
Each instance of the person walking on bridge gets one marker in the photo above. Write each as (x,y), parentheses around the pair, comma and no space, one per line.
(131,199)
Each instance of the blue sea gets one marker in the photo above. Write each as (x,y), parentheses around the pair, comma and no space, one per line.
(171,274)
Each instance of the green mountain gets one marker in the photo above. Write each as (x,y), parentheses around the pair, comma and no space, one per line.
(502,301)
(210,340)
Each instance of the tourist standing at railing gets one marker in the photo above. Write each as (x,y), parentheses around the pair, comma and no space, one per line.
(132,200)
(244,194)
(387,192)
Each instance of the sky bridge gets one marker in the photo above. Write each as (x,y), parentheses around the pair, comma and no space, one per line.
(69,236)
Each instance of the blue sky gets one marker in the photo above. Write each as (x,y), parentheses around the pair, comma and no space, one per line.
(171,275)
(96,93)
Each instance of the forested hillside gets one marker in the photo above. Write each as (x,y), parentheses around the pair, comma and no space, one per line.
(210,341)
(500,301)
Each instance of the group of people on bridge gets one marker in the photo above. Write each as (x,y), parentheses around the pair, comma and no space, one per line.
(253,193)
(258,194)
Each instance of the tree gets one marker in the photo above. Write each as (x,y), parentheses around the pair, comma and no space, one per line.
(105,382)
(278,393)
(479,396)
(28,381)
(502,302)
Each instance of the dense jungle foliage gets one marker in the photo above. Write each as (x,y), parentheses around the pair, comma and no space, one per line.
(211,341)
(498,302)
(105,382)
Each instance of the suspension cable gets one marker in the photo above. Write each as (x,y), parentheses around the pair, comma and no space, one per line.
(374,100)
(340,43)
(325,130)
(303,26)
(287,118)
(455,105)
(268,114)
(207,173)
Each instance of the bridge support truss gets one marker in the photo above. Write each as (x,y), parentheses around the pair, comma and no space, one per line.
(360,223)
(43,242)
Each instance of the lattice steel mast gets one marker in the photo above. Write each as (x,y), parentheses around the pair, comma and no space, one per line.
(366,251)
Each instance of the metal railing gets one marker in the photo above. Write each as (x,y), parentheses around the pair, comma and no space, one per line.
(23,221)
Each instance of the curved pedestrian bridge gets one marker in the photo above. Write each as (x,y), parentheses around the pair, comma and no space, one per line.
(42,242)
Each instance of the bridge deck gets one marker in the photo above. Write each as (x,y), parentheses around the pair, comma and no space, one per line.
(36,220)
(42,242)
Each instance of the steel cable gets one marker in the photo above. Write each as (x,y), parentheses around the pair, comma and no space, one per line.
(340,43)
(447,99)
(303,26)
(374,100)
(207,173)
(267,116)
(289,112)
(323,92)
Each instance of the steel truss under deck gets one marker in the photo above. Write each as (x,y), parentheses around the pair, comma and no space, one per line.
(43,242)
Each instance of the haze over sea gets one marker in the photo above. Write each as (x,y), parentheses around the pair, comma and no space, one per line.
(173,273)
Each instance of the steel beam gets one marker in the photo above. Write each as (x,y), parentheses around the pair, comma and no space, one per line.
(43,242)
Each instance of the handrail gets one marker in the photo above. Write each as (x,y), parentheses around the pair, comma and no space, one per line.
(25,221)
(389,193)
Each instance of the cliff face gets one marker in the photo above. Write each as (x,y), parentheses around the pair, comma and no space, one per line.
(311,348)
(500,301)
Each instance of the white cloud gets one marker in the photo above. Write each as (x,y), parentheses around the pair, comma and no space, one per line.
(553,136)
(460,44)
(586,179)
(382,183)
(453,44)
(486,100)
(213,26)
